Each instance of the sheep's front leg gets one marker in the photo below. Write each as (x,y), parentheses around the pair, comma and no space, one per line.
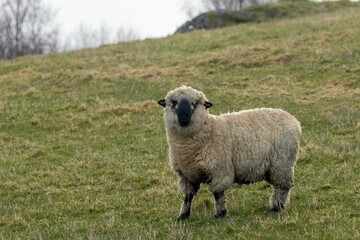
(189,189)
(220,201)
(186,207)
(279,198)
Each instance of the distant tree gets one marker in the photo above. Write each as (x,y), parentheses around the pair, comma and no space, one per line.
(225,4)
(232,5)
(191,8)
(26,27)
(126,34)
(104,33)
(86,36)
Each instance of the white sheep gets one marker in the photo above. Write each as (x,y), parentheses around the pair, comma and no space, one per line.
(241,147)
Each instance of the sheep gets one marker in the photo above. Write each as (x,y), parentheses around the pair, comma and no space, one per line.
(241,147)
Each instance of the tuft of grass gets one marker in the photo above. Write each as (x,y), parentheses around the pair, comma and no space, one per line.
(83,148)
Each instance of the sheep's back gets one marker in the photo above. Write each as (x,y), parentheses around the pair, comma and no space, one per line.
(258,138)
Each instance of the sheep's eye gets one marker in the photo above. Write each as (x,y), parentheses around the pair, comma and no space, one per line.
(193,104)
(174,102)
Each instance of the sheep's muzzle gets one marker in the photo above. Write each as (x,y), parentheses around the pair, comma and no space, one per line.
(184,113)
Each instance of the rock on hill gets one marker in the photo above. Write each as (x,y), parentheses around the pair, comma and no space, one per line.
(259,13)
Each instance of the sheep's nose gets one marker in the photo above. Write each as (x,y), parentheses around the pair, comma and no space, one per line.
(184,113)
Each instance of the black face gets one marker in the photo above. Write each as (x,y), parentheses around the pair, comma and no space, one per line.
(184,113)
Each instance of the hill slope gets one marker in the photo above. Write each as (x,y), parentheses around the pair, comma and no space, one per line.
(83,149)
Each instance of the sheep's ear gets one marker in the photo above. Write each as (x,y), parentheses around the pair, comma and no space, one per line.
(207,104)
(162,102)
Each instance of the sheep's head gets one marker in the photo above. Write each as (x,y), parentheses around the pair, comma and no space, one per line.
(185,110)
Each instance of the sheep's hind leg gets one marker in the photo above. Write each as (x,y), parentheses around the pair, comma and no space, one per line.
(220,201)
(190,190)
(279,198)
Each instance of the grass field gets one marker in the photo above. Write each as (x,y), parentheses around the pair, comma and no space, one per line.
(83,153)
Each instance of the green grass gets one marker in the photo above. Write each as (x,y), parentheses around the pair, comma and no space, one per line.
(83,148)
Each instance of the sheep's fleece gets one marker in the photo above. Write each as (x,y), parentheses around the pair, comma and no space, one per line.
(241,147)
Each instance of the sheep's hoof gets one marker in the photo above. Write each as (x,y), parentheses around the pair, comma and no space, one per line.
(221,214)
(277,209)
(183,216)
(274,210)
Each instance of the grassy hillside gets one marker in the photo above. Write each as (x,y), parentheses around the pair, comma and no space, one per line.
(83,152)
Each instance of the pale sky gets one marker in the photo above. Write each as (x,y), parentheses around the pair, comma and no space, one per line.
(148,18)
(144,18)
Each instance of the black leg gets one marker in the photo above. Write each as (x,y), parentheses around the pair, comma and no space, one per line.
(190,191)
(279,198)
(186,207)
(220,201)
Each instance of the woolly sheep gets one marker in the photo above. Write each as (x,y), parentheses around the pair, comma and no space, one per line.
(241,147)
